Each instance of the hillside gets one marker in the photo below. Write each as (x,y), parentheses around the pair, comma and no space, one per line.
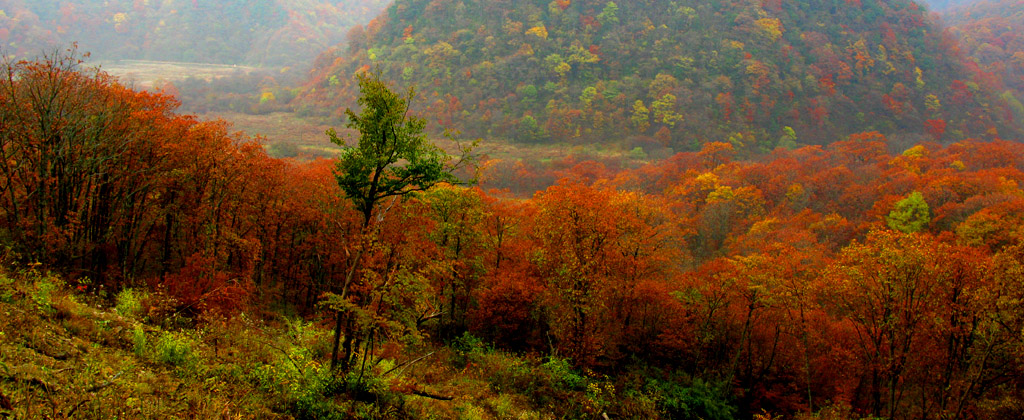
(65,353)
(657,73)
(990,35)
(271,33)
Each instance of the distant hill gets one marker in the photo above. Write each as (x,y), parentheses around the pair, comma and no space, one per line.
(656,73)
(254,32)
(991,34)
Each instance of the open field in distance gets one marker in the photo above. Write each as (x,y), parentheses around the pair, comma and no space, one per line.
(144,74)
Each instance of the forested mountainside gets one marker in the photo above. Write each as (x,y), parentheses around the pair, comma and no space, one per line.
(839,281)
(989,33)
(671,73)
(256,32)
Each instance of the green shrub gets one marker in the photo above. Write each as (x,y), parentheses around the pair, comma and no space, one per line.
(300,380)
(697,400)
(468,411)
(139,343)
(42,293)
(308,335)
(6,289)
(313,402)
(176,351)
(563,374)
(468,343)
(466,347)
(129,303)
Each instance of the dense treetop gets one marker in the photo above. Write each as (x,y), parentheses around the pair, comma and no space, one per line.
(258,32)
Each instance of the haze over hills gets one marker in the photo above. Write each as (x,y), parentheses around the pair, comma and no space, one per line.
(990,34)
(681,73)
(942,5)
(253,32)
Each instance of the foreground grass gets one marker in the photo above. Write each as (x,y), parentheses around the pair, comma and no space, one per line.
(63,356)
(69,354)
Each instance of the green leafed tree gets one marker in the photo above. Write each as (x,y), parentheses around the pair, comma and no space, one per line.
(640,116)
(664,110)
(393,158)
(609,15)
(910,214)
(529,130)
(788,138)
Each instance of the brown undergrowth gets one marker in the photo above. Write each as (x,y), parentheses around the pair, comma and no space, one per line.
(65,353)
(69,351)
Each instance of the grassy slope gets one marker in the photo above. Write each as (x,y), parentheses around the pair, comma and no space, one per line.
(63,354)
(61,357)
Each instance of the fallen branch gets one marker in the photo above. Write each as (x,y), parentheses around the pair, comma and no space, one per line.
(425,318)
(406,364)
(433,396)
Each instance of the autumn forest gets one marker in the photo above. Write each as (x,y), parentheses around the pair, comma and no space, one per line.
(567,210)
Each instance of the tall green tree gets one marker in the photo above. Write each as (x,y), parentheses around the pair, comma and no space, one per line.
(391,159)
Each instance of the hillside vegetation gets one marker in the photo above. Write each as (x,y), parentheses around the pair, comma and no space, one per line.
(69,354)
(989,33)
(276,33)
(858,279)
(673,74)
(834,231)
